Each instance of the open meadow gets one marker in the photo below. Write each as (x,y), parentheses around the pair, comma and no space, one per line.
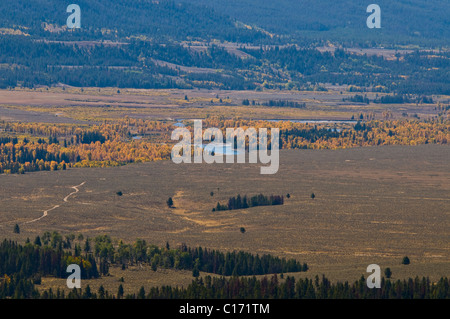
(75,105)
(372,205)
(105,107)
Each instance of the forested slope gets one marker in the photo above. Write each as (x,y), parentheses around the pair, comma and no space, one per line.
(417,20)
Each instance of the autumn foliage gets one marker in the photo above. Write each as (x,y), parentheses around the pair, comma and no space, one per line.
(27,147)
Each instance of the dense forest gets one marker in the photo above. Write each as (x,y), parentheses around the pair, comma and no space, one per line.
(342,67)
(276,103)
(275,288)
(141,64)
(268,288)
(110,19)
(195,259)
(241,202)
(125,44)
(390,99)
(403,21)
(51,253)
(23,266)
(58,147)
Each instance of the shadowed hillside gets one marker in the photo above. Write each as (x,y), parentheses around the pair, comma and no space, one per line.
(416,20)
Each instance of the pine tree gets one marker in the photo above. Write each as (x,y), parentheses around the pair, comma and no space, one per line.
(120,292)
(16,229)
(77,252)
(37,241)
(87,246)
(87,292)
(388,272)
(141,294)
(101,292)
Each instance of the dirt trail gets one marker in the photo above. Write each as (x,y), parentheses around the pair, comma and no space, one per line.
(76,191)
(56,206)
(44,215)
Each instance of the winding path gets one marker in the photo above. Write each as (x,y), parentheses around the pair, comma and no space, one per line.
(45,214)
(56,206)
(76,191)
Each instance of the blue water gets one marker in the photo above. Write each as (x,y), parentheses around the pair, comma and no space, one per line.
(221,149)
(318,121)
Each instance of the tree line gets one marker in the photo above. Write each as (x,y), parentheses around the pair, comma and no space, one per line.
(253,288)
(28,147)
(35,259)
(303,288)
(197,259)
(239,202)
(391,99)
(162,20)
(276,103)
(136,64)
(21,268)
(57,147)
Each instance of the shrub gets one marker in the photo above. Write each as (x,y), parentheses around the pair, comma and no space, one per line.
(405,260)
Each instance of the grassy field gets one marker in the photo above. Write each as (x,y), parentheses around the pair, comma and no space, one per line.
(55,105)
(372,205)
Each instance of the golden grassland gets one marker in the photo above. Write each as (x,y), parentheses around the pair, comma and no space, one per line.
(372,205)
(96,104)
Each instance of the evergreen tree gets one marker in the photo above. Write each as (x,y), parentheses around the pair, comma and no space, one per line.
(101,292)
(141,294)
(405,260)
(388,272)
(87,292)
(87,246)
(120,292)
